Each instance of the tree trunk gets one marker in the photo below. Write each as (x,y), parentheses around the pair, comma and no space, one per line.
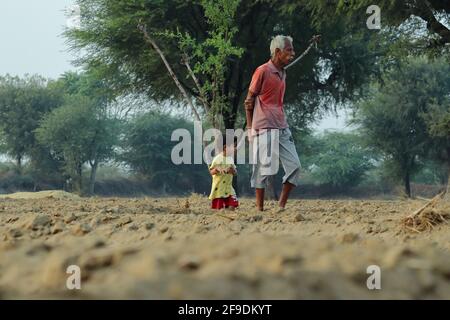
(447,194)
(271,193)
(19,164)
(79,183)
(94,167)
(407,181)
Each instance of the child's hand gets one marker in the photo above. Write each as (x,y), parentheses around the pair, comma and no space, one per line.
(214,171)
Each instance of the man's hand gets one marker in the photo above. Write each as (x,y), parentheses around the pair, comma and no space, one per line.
(250,135)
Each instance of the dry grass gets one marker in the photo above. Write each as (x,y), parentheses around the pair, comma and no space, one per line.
(424,221)
(426,217)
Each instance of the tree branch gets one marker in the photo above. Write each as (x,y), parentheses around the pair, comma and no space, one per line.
(424,11)
(197,83)
(149,40)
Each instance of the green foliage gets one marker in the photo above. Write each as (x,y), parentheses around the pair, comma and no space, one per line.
(77,132)
(116,49)
(23,103)
(147,150)
(438,118)
(416,27)
(210,57)
(438,123)
(392,119)
(339,160)
(432,173)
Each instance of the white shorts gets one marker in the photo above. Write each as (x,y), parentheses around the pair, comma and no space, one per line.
(278,147)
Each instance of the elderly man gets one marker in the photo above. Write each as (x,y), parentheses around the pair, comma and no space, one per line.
(265,115)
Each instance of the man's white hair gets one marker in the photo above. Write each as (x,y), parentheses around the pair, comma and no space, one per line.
(278,42)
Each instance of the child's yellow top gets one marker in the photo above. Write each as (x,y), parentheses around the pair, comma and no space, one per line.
(222,186)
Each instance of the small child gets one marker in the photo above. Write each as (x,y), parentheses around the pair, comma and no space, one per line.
(222,170)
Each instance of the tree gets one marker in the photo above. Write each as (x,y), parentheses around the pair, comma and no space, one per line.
(78,133)
(400,15)
(113,45)
(211,55)
(438,122)
(23,103)
(392,120)
(147,150)
(341,161)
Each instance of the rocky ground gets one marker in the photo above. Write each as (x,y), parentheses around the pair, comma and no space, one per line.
(176,248)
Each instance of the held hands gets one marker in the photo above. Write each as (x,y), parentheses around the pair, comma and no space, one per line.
(229,170)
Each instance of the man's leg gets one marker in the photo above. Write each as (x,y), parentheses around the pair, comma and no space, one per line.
(291,165)
(287,187)
(258,179)
(259,199)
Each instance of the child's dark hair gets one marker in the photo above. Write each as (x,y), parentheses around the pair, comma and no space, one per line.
(226,142)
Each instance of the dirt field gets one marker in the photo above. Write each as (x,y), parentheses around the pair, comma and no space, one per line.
(152,248)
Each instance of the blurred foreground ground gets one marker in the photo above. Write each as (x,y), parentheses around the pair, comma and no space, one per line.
(177,248)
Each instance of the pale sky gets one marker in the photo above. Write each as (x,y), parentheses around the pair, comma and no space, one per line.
(31,40)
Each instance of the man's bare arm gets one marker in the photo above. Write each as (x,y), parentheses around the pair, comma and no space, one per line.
(249,106)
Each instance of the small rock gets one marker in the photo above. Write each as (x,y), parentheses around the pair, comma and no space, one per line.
(255,218)
(15,233)
(58,227)
(81,229)
(384,229)
(168,237)
(124,221)
(11,220)
(113,210)
(97,261)
(98,243)
(149,225)
(299,217)
(133,227)
(40,221)
(70,218)
(349,237)
(164,229)
(189,263)
(95,222)
(39,248)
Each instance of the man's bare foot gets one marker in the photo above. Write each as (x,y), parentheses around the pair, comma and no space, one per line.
(287,187)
